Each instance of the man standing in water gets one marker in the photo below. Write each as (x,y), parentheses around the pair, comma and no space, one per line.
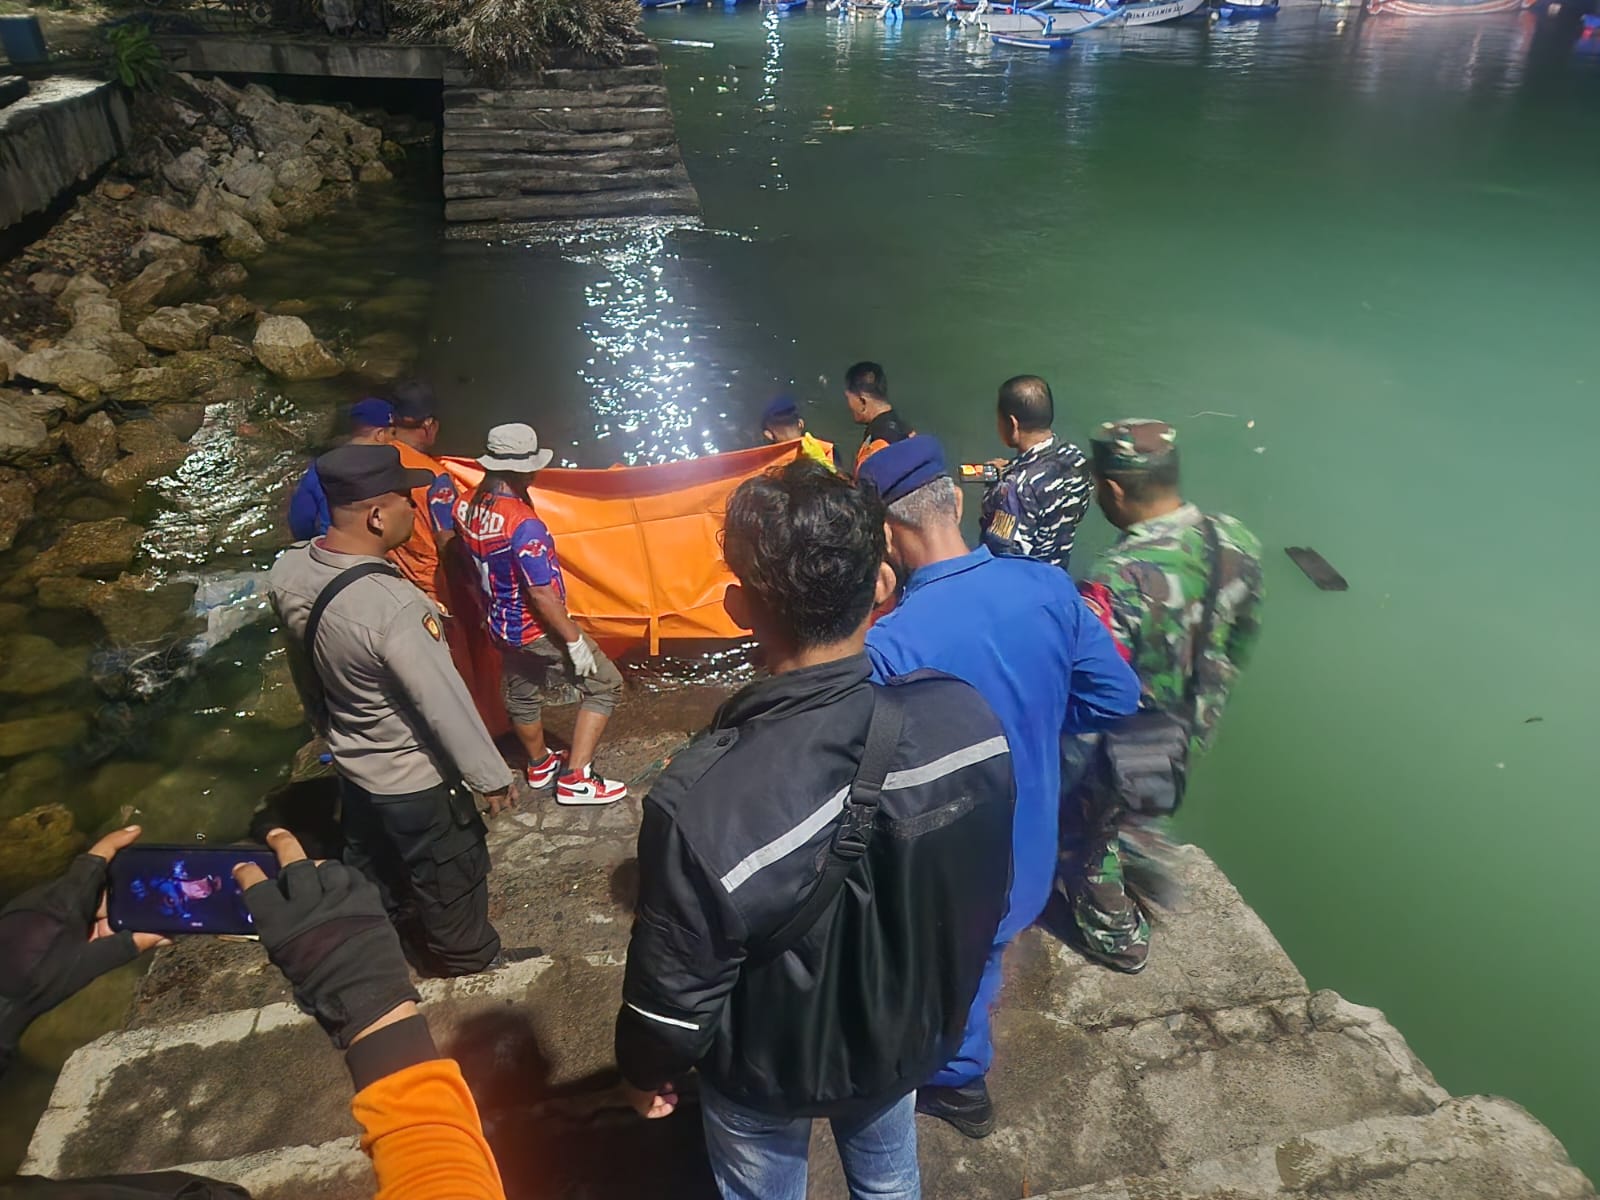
(1015,629)
(866,391)
(539,641)
(1174,574)
(416,428)
(371,424)
(368,657)
(1043,492)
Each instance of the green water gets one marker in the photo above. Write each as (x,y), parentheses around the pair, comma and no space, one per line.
(1370,239)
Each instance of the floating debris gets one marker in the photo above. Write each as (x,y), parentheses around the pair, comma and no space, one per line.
(1317,569)
(1533,720)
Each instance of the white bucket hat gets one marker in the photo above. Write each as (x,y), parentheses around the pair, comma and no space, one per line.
(515,448)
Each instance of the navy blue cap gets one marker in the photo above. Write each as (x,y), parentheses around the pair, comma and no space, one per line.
(900,468)
(371,414)
(414,402)
(782,411)
(358,471)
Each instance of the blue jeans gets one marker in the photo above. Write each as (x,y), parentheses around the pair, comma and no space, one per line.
(759,1157)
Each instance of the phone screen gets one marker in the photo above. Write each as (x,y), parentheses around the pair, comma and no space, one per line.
(182,889)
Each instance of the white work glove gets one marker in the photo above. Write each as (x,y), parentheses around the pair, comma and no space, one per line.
(582,658)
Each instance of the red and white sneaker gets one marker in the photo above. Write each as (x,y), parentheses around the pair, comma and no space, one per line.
(588,788)
(543,774)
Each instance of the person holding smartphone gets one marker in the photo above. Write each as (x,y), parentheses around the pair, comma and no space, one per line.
(325,928)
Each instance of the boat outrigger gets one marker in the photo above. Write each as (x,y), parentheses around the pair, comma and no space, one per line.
(1031,41)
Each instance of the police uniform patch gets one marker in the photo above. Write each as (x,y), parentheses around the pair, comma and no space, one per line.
(1003,526)
(431,624)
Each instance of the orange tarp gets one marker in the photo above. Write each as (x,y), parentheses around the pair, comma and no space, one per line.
(639,545)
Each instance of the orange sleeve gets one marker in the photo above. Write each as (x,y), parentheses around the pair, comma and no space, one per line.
(421,1129)
(868,449)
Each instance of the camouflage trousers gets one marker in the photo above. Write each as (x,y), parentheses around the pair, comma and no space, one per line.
(1108,924)
(1104,921)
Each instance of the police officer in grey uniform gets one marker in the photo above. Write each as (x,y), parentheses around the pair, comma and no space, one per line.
(368,655)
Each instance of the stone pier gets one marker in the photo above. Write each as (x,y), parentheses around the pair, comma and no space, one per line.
(1215,1075)
(563,142)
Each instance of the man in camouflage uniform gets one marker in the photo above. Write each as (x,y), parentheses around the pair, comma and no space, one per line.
(1033,509)
(1150,588)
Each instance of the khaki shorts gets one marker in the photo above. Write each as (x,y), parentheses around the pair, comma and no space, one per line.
(527,673)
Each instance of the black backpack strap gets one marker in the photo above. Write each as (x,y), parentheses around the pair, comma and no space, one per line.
(854,832)
(336,585)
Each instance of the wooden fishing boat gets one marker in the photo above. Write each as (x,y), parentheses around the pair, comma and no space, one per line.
(1245,10)
(1069,18)
(1031,41)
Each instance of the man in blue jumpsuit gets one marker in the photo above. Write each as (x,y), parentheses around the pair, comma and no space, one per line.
(1016,630)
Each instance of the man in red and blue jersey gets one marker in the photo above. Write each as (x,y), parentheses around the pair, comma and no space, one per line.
(527,603)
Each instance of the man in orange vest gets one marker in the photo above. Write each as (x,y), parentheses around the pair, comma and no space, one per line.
(416,428)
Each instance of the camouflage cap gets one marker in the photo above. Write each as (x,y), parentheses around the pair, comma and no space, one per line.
(1132,444)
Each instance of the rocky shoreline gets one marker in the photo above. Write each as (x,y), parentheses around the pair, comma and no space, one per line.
(119,326)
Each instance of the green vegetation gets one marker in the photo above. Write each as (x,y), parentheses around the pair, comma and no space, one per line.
(501,35)
(135,58)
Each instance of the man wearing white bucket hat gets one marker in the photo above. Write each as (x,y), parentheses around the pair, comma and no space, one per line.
(528,618)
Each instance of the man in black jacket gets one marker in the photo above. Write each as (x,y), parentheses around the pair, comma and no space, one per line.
(789,1007)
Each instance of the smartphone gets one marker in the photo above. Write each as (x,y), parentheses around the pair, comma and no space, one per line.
(182,889)
(979,473)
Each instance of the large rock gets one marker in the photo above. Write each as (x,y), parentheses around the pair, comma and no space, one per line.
(28,781)
(32,734)
(382,357)
(240,241)
(134,611)
(66,593)
(22,435)
(94,548)
(153,450)
(50,407)
(10,355)
(299,176)
(375,172)
(229,277)
(77,288)
(31,665)
(16,505)
(153,246)
(168,279)
(197,223)
(184,420)
(249,179)
(266,216)
(183,378)
(186,327)
(79,372)
(92,444)
(287,347)
(36,847)
(190,171)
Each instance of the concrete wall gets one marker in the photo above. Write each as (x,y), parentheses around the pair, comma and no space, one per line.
(217,54)
(572,140)
(58,136)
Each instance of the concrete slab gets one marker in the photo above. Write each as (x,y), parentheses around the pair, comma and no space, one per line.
(1078,1104)
(1476,1148)
(1209,951)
